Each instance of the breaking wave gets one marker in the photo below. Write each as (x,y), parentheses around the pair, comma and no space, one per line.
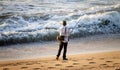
(22,26)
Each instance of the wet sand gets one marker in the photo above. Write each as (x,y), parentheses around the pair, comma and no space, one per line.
(88,53)
(82,45)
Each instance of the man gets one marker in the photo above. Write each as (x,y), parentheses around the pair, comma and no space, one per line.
(63,31)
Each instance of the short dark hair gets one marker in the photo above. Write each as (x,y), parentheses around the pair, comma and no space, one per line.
(64,23)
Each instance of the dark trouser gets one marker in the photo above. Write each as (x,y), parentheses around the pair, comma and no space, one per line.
(61,45)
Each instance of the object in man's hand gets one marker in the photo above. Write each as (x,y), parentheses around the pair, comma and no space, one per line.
(60,38)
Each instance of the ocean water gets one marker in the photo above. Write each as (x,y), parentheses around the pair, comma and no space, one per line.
(38,20)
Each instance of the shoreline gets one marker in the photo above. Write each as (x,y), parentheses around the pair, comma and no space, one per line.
(47,56)
(50,56)
(91,44)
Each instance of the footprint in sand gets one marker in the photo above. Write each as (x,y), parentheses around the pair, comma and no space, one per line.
(36,69)
(38,62)
(14,64)
(86,65)
(102,58)
(24,67)
(42,66)
(58,64)
(29,64)
(92,62)
(19,63)
(117,69)
(89,59)
(69,66)
(103,66)
(51,67)
(116,64)
(91,67)
(76,63)
(109,61)
(10,64)
(6,69)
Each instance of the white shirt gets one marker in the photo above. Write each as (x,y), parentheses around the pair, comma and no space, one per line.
(63,33)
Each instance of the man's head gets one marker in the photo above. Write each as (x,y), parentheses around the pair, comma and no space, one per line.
(64,23)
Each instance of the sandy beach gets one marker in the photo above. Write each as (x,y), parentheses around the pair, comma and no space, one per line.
(93,61)
(28,30)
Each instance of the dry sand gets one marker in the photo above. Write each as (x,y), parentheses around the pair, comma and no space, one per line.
(92,61)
